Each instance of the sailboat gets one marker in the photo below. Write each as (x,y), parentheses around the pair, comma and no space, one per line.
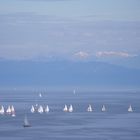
(40,95)
(47,109)
(89,109)
(103,108)
(32,109)
(40,109)
(130,109)
(26,122)
(74,91)
(65,109)
(2,110)
(13,111)
(8,111)
(71,108)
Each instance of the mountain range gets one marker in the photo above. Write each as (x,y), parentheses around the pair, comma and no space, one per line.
(66,73)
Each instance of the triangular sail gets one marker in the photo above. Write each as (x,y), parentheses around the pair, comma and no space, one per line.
(26,122)
(89,109)
(8,111)
(2,110)
(40,109)
(130,109)
(103,108)
(13,111)
(65,109)
(32,109)
(47,109)
(71,108)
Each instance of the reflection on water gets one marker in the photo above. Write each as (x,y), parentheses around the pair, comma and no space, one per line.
(114,124)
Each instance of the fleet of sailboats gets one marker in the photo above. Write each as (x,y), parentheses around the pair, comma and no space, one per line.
(10,110)
(39,108)
(68,109)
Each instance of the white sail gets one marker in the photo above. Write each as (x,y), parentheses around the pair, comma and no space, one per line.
(13,111)
(40,109)
(103,108)
(130,109)
(26,122)
(8,111)
(71,108)
(89,109)
(65,109)
(40,95)
(47,109)
(2,110)
(32,109)
(74,91)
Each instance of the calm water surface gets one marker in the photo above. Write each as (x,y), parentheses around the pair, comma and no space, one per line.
(114,124)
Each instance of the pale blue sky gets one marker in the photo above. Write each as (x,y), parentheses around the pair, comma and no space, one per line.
(103,30)
(105,9)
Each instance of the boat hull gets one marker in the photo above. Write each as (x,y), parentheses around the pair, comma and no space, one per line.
(26,125)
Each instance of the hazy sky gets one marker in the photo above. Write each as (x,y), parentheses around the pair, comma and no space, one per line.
(103,30)
(102,9)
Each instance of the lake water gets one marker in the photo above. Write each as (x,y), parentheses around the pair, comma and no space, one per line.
(114,124)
